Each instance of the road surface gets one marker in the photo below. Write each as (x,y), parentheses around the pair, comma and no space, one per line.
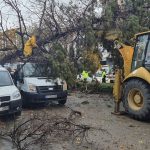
(109,132)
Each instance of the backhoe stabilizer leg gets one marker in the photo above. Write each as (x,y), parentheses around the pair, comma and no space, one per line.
(117,90)
(117,109)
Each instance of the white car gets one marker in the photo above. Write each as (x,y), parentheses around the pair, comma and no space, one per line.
(111,77)
(10,98)
(98,77)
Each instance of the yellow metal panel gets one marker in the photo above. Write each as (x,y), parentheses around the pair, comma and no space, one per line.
(140,73)
(117,85)
(127,54)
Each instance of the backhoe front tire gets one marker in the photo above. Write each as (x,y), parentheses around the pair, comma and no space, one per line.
(136,99)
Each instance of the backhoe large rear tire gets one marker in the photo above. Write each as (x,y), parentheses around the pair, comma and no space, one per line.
(136,99)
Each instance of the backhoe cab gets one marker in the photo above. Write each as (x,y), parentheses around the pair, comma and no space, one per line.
(132,84)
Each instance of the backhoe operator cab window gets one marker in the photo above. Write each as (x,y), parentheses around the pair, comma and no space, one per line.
(147,58)
(141,51)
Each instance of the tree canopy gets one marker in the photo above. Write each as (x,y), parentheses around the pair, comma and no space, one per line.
(69,35)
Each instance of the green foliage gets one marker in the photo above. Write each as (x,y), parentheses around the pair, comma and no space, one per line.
(130,27)
(90,39)
(131,18)
(110,14)
(95,87)
(91,61)
(61,66)
(90,54)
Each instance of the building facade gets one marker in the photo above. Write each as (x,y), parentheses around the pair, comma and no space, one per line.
(9,40)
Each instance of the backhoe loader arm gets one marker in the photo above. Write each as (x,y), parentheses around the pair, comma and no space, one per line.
(127,54)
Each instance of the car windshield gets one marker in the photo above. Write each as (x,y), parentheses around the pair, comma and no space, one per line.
(5,79)
(36,70)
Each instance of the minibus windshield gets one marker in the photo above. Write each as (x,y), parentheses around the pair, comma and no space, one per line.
(5,79)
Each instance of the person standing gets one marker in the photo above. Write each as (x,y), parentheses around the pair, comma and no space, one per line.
(85,75)
(104,76)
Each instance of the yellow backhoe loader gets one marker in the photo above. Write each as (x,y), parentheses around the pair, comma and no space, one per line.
(132,83)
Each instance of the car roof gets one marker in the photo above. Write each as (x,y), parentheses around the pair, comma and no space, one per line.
(2,68)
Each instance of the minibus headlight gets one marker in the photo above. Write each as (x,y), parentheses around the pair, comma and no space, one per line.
(16,95)
(32,88)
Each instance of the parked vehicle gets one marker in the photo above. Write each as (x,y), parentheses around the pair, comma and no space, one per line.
(37,86)
(98,77)
(10,97)
(111,77)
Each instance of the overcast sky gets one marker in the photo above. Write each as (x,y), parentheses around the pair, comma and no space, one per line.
(10,18)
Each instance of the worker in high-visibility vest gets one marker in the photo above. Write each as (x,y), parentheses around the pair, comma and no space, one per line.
(85,75)
(104,76)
